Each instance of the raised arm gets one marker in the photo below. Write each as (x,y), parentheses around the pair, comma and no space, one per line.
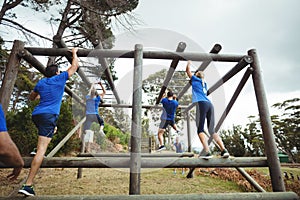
(188,70)
(90,91)
(74,66)
(103,90)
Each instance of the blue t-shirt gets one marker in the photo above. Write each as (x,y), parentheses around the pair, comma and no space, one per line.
(199,93)
(3,127)
(51,91)
(169,109)
(92,104)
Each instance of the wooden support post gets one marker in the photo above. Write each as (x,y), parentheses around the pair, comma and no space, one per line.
(65,139)
(10,75)
(266,125)
(180,48)
(108,75)
(189,137)
(136,124)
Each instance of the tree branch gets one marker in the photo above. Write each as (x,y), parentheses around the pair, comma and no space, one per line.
(25,29)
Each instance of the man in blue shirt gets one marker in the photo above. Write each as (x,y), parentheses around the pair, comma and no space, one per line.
(205,110)
(49,91)
(9,153)
(93,100)
(170,105)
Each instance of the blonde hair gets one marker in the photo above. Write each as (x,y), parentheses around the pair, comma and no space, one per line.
(200,74)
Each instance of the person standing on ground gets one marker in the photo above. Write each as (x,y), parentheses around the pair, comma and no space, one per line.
(179,148)
(49,91)
(205,109)
(93,100)
(9,153)
(170,105)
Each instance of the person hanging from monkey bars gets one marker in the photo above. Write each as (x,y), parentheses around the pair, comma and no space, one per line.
(204,109)
(170,105)
(93,100)
(49,91)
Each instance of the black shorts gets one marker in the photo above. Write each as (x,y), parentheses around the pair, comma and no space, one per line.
(164,123)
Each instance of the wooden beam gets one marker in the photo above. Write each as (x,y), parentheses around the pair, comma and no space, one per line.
(108,53)
(123,162)
(216,196)
(150,155)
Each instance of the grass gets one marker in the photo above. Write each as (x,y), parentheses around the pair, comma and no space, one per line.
(63,181)
(116,182)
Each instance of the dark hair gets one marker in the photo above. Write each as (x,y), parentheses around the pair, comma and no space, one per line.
(51,70)
(170,94)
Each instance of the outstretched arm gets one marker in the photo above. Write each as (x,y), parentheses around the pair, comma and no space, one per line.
(103,90)
(74,66)
(90,91)
(188,70)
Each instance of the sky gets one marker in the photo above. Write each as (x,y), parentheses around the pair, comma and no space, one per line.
(271,27)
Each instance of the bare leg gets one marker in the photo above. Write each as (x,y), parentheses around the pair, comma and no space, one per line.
(175,127)
(43,143)
(203,140)
(219,141)
(160,136)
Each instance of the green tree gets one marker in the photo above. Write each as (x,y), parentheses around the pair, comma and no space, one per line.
(234,141)
(287,129)
(22,129)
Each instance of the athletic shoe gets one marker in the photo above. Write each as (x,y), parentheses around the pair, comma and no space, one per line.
(102,133)
(162,147)
(224,153)
(205,155)
(27,190)
(33,152)
(179,133)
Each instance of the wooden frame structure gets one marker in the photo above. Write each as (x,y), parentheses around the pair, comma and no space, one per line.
(135,161)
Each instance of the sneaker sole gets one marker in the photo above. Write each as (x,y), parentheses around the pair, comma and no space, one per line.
(161,149)
(225,155)
(25,193)
(206,157)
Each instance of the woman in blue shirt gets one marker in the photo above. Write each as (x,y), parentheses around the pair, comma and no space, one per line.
(93,100)
(205,110)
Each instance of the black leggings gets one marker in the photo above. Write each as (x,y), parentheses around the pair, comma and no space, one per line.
(205,109)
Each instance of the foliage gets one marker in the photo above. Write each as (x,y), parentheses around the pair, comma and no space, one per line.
(25,134)
(285,127)
(234,142)
(115,135)
(22,130)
